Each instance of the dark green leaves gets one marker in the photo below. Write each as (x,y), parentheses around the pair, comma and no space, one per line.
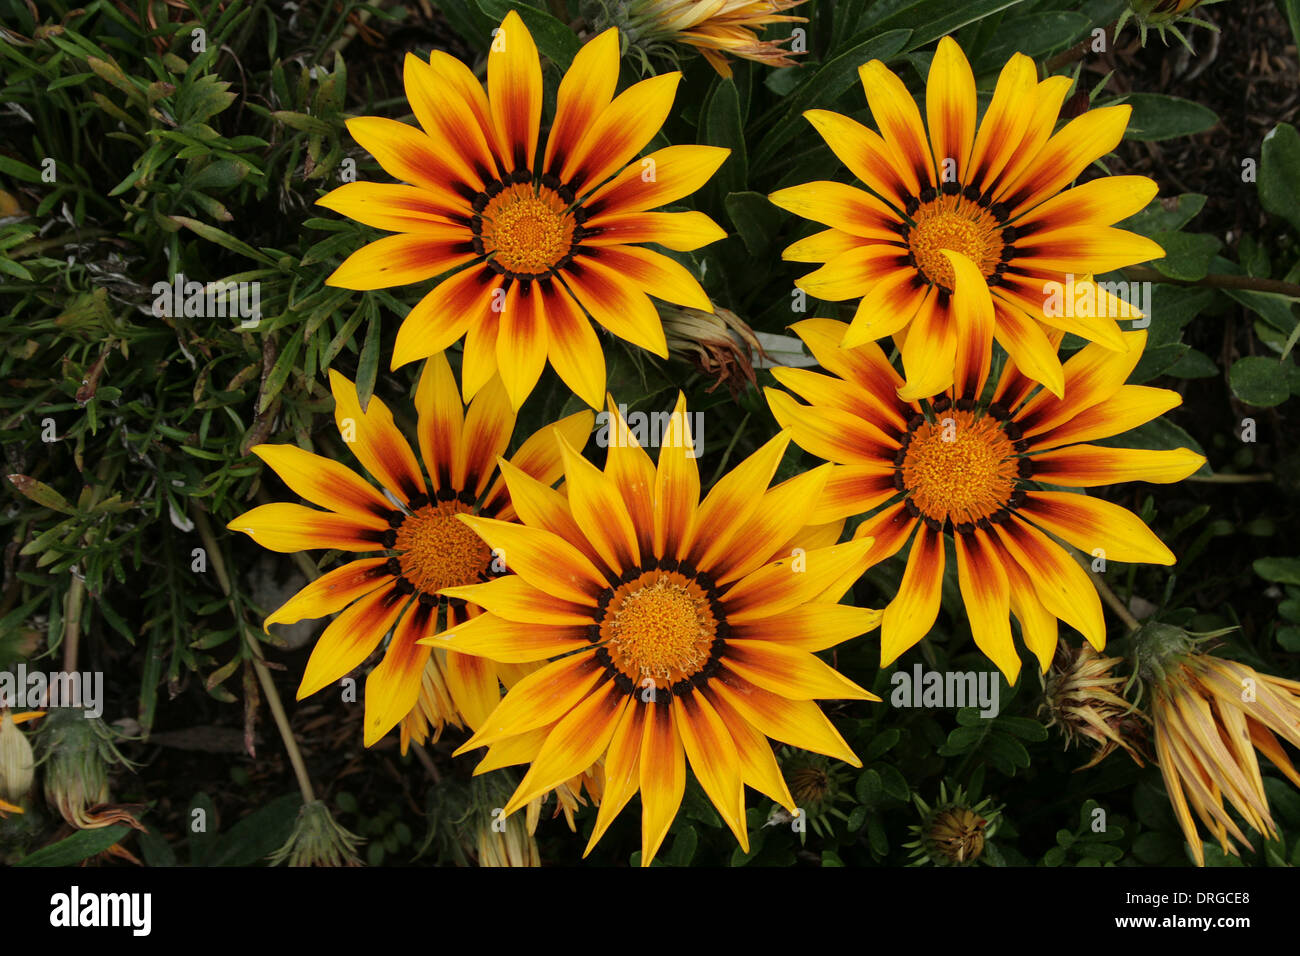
(1259,381)
(554,40)
(1279,173)
(1157,117)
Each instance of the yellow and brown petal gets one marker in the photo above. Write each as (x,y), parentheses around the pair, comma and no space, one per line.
(676,631)
(960,227)
(530,249)
(973,472)
(1212,718)
(412,521)
(717,28)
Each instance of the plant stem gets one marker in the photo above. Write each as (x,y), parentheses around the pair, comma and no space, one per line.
(77,590)
(1251,283)
(1110,597)
(259,666)
(72,623)
(1218,479)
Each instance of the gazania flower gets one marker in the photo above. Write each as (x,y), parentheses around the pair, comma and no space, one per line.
(953,832)
(967,469)
(717,28)
(678,631)
(958,232)
(529,242)
(1083,696)
(413,523)
(1210,717)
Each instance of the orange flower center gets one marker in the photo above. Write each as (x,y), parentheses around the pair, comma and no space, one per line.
(660,628)
(436,550)
(958,225)
(528,231)
(960,468)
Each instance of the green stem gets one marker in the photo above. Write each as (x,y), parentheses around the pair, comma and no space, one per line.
(29,249)
(1112,599)
(259,666)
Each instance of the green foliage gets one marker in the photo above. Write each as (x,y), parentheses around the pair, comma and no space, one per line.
(134,153)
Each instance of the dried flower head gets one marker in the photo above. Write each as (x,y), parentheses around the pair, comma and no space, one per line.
(1083,696)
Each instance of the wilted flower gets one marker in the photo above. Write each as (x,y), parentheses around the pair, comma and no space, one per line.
(500,840)
(17,763)
(1210,717)
(76,753)
(720,344)
(318,840)
(717,28)
(1083,696)
(954,832)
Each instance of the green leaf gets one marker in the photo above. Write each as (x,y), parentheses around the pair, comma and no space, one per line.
(834,77)
(41,493)
(284,365)
(368,366)
(683,848)
(80,846)
(1023,727)
(19,170)
(222,174)
(1034,35)
(1187,254)
(1157,360)
(1278,570)
(223,239)
(1156,117)
(1279,173)
(1165,215)
(756,220)
(723,126)
(259,834)
(1193,364)
(554,40)
(1273,307)
(1292,10)
(932,19)
(1259,381)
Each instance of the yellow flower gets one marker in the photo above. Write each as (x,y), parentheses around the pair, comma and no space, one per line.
(531,243)
(677,631)
(958,232)
(1211,716)
(964,468)
(717,28)
(425,548)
